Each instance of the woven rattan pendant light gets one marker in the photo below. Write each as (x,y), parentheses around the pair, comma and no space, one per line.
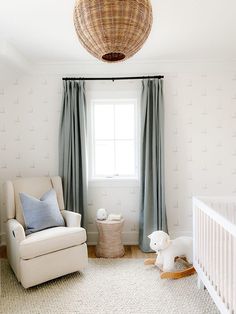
(113,30)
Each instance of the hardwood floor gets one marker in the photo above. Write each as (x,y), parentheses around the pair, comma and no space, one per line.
(3,252)
(131,251)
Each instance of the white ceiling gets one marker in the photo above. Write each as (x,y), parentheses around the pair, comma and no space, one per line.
(43,31)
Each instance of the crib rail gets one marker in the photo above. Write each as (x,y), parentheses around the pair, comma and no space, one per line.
(214,241)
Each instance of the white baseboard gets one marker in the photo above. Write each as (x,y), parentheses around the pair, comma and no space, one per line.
(128,238)
(180,233)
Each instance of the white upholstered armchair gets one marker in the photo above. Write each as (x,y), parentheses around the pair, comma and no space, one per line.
(49,253)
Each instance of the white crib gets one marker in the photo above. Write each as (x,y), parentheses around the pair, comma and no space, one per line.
(214,240)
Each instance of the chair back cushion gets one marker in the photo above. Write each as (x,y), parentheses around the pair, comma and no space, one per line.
(40,214)
(35,186)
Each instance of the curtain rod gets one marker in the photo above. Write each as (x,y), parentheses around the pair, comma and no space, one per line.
(111,78)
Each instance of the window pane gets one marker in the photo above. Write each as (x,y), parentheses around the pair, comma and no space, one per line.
(104,158)
(125,158)
(104,121)
(124,121)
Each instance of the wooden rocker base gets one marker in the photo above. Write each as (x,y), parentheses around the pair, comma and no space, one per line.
(175,274)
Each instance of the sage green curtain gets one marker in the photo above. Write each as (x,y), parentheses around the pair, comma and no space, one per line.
(72,147)
(152,194)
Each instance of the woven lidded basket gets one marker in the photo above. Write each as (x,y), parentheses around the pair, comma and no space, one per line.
(113,30)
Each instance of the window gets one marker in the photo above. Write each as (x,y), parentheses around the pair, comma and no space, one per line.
(114,139)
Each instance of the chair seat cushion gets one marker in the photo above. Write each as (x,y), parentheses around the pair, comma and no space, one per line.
(51,240)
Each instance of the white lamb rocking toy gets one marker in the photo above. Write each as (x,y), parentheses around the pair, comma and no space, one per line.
(168,251)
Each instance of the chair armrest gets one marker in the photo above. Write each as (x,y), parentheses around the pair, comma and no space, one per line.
(72,219)
(16,229)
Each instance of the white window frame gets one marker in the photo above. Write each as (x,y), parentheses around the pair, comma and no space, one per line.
(91,148)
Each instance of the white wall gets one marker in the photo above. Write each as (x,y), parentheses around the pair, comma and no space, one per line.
(200,139)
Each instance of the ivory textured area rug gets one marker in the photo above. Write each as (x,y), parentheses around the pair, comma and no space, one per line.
(106,286)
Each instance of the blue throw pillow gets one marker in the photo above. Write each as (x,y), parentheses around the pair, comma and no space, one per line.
(41,214)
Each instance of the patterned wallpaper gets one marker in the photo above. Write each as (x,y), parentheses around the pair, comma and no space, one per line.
(200,141)
(200,144)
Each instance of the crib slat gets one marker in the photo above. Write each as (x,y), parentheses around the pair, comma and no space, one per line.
(225,264)
(214,254)
(208,247)
(201,244)
(197,235)
(204,243)
(218,259)
(210,250)
(234,275)
(230,279)
(222,262)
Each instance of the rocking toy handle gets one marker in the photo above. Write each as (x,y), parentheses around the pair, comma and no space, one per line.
(178,274)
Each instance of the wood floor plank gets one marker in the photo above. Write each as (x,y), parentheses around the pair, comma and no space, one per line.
(3,251)
(91,251)
(128,253)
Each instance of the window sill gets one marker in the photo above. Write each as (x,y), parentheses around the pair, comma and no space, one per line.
(114,182)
